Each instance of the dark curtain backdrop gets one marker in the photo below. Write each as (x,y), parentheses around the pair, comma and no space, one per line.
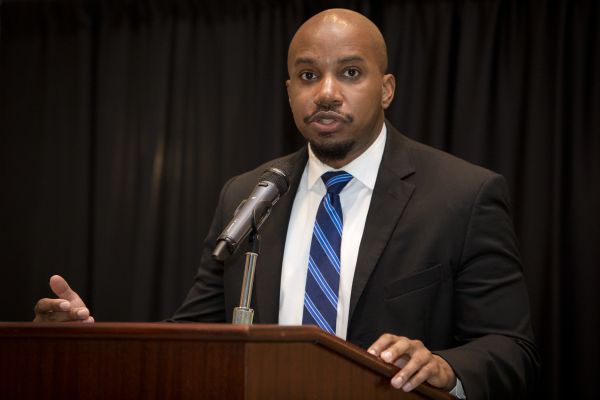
(121,119)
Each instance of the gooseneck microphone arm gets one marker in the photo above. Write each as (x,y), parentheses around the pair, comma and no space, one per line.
(243,314)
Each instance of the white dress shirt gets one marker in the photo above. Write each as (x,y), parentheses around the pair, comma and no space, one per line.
(355,199)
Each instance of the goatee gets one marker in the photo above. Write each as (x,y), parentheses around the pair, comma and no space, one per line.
(332,152)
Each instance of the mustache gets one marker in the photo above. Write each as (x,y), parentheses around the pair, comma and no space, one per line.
(320,114)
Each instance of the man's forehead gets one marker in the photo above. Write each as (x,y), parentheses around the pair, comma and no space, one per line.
(329,36)
(327,33)
(332,50)
(312,58)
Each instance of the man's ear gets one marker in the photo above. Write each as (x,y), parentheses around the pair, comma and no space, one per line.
(389,87)
(287,87)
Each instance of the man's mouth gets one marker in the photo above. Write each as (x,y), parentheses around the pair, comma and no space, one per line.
(328,121)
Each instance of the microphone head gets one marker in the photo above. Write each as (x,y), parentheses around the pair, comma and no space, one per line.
(278,174)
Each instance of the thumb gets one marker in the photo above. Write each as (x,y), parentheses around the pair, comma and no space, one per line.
(61,288)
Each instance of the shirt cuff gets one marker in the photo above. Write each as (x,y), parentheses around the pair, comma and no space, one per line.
(458,390)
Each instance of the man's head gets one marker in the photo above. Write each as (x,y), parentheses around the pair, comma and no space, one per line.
(338,87)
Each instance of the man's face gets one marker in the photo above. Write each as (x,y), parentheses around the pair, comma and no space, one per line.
(337,90)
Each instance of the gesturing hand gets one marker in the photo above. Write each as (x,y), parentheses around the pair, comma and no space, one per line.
(416,363)
(67,307)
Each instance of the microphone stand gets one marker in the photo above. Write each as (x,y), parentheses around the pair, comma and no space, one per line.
(244,314)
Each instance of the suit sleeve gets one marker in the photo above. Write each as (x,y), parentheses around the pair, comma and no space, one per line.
(497,357)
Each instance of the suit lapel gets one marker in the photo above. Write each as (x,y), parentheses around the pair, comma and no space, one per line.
(268,270)
(390,196)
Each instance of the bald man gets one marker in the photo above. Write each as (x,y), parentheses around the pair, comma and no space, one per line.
(429,272)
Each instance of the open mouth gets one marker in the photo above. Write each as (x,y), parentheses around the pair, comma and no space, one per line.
(327,121)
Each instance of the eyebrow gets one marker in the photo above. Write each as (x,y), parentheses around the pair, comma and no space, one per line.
(342,60)
(304,60)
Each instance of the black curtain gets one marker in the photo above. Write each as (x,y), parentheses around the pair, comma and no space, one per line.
(121,119)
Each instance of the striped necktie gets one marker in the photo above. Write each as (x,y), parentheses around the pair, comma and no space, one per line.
(323,277)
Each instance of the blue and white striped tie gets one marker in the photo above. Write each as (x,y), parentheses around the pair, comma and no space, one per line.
(323,277)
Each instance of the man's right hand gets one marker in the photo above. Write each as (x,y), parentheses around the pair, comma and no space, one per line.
(68,307)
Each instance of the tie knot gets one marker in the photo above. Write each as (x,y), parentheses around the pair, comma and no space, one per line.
(336,180)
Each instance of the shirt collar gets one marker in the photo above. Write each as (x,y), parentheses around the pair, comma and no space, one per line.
(364,168)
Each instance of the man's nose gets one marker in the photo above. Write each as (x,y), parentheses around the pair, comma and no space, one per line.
(328,94)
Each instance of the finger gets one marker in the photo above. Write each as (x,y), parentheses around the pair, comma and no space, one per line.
(403,347)
(51,305)
(418,361)
(384,341)
(73,315)
(423,374)
(79,314)
(57,310)
(89,320)
(56,316)
(83,315)
(61,288)
(402,361)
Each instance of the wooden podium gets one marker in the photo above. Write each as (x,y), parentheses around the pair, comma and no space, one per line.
(189,361)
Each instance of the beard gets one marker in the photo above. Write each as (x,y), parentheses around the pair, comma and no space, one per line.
(333,151)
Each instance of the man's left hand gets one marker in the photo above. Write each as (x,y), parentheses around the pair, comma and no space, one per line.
(417,364)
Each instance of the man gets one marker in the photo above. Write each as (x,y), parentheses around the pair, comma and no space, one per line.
(428,274)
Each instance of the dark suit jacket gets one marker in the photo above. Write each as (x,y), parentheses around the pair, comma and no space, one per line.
(438,262)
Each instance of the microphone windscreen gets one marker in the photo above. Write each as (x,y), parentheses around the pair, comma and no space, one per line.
(278,174)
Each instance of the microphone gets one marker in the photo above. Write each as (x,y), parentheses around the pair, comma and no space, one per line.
(253,211)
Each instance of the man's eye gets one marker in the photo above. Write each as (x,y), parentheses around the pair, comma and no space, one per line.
(308,76)
(351,73)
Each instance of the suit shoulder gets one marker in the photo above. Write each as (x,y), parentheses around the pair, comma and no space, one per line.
(435,162)
(245,181)
(449,177)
